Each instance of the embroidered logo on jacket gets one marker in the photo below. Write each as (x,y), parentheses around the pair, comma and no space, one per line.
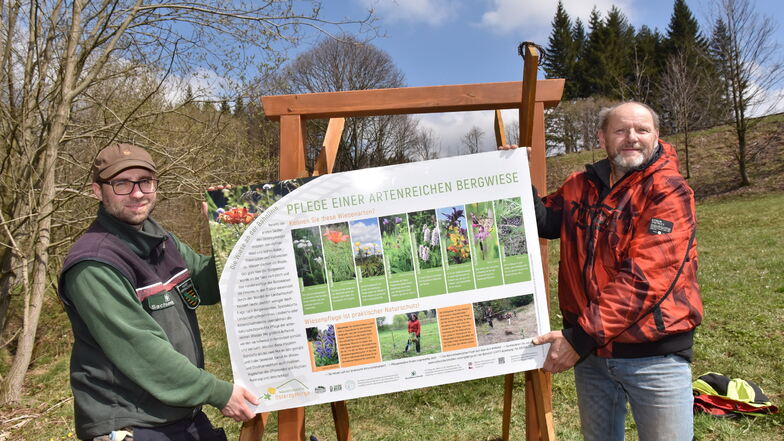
(188,293)
(159,301)
(659,226)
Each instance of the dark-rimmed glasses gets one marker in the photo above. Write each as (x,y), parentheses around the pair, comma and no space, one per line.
(123,187)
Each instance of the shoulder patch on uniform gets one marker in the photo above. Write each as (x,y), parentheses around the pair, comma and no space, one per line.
(159,301)
(659,226)
(189,294)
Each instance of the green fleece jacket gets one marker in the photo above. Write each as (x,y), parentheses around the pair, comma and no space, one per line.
(131,366)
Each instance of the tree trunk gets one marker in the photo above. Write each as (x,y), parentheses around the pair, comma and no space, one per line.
(34,291)
(6,284)
(744,175)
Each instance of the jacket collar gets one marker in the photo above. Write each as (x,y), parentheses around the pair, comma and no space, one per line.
(142,242)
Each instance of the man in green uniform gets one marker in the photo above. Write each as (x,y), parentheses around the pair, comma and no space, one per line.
(131,290)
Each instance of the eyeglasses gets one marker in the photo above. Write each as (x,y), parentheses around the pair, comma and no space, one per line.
(122,188)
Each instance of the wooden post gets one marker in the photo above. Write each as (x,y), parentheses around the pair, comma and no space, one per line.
(329,150)
(538,393)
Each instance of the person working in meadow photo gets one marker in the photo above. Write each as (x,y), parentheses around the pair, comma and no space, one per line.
(627,286)
(414,332)
(131,290)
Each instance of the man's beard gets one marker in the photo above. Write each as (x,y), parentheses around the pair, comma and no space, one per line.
(628,163)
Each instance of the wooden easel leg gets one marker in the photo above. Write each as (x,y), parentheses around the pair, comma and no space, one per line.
(253,430)
(539,406)
(507,415)
(291,424)
(340,416)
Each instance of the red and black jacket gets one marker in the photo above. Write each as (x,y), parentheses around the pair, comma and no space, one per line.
(627,280)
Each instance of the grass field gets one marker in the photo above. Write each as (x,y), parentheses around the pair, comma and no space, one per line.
(741,250)
(742,276)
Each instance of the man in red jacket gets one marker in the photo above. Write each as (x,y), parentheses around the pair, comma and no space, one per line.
(627,285)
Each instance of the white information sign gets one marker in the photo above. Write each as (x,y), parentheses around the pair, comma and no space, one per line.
(380,280)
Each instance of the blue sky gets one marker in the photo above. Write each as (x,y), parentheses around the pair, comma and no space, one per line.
(438,42)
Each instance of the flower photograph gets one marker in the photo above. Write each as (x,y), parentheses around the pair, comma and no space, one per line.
(454,231)
(338,252)
(366,245)
(426,238)
(484,235)
(396,243)
(308,255)
(323,344)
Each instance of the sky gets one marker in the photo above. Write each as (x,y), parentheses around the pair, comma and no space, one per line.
(441,42)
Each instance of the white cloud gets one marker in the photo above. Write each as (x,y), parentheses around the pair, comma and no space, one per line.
(450,128)
(205,85)
(432,12)
(365,232)
(531,19)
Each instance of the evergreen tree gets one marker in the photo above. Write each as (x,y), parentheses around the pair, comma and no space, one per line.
(683,32)
(646,68)
(619,50)
(578,78)
(605,60)
(561,54)
(590,64)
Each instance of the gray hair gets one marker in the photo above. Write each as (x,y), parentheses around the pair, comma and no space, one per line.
(604,114)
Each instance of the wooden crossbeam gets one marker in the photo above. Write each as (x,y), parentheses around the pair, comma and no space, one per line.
(431,99)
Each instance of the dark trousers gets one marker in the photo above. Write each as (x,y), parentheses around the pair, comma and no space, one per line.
(197,429)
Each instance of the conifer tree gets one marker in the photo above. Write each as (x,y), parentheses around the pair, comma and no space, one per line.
(645,65)
(591,65)
(561,55)
(618,50)
(578,78)
(605,60)
(683,32)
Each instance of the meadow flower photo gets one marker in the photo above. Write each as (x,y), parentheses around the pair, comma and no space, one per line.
(426,238)
(396,243)
(484,234)
(308,255)
(338,252)
(323,344)
(367,248)
(454,231)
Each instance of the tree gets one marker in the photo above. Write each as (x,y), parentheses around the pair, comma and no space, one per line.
(345,63)
(573,124)
(590,65)
(618,50)
(56,58)
(426,146)
(561,51)
(683,32)
(472,140)
(749,65)
(644,66)
(686,92)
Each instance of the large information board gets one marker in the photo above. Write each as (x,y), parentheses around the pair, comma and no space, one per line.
(380,280)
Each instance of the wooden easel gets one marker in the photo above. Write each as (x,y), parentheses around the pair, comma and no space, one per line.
(530,96)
